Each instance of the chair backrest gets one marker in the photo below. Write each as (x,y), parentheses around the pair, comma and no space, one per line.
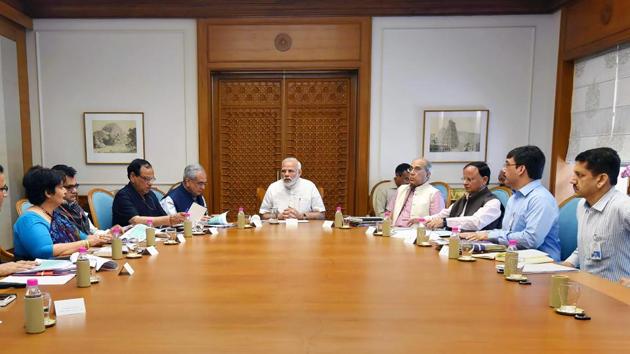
(445,190)
(158,193)
(371,197)
(567,226)
(502,193)
(21,205)
(101,201)
(173,187)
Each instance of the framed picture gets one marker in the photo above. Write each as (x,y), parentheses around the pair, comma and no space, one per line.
(455,135)
(113,138)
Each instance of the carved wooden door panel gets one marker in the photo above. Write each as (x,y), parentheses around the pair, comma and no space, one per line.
(258,119)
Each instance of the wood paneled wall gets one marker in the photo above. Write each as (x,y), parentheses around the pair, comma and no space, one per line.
(587,27)
(284,45)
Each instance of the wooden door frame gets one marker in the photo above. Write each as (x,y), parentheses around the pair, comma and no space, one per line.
(361,65)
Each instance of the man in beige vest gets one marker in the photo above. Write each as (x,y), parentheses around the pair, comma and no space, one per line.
(416,199)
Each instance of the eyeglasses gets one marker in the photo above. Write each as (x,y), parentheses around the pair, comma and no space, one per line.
(416,169)
(71,187)
(5,189)
(148,179)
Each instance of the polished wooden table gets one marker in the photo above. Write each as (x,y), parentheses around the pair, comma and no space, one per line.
(307,290)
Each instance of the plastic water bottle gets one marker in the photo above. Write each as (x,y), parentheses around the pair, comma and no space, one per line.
(338,218)
(116,244)
(421,232)
(187,225)
(33,308)
(453,243)
(240,218)
(150,233)
(511,259)
(387,224)
(83,269)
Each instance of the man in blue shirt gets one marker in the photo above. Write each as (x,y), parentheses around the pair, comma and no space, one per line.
(531,215)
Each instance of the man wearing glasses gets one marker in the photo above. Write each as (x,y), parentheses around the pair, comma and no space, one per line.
(531,215)
(189,191)
(479,209)
(70,209)
(416,199)
(136,203)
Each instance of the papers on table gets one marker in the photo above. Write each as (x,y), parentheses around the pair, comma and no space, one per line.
(97,262)
(49,267)
(106,251)
(196,212)
(138,231)
(408,235)
(220,219)
(296,220)
(546,268)
(45,280)
(489,255)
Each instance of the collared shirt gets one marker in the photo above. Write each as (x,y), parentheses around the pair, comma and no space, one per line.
(129,203)
(304,197)
(436,204)
(531,218)
(180,200)
(382,194)
(605,226)
(488,213)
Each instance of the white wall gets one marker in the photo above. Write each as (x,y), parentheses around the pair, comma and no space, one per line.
(506,64)
(148,66)
(10,138)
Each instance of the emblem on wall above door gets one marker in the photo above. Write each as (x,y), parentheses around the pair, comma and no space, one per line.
(283,42)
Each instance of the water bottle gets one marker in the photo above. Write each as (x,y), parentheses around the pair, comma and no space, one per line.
(453,243)
(240,218)
(116,244)
(33,308)
(511,259)
(187,225)
(387,225)
(338,218)
(421,232)
(150,233)
(83,269)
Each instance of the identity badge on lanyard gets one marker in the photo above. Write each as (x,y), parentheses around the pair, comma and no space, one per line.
(596,248)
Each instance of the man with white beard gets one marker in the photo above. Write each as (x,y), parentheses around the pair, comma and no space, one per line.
(292,196)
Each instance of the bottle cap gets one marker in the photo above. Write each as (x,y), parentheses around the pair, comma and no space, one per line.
(386,214)
(422,220)
(82,250)
(339,208)
(149,222)
(513,242)
(116,230)
(186,214)
(455,229)
(31,282)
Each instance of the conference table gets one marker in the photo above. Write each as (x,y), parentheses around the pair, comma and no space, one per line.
(306,289)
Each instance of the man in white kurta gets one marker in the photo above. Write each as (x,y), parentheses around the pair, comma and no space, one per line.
(293,196)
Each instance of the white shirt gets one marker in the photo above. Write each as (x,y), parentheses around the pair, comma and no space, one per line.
(169,205)
(488,213)
(304,197)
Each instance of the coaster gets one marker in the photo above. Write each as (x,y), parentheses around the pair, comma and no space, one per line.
(569,310)
(134,255)
(198,233)
(466,259)
(171,242)
(248,227)
(94,279)
(378,233)
(425,244)
(274,222)
(516,277)
(49,322)
(345,227)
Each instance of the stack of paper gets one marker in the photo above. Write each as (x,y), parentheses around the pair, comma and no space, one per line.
(96,262)
(49,267)
(546,268)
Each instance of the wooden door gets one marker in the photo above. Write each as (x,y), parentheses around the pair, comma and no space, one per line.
(258,119)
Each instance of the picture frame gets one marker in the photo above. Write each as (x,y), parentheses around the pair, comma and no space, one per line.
(455,135)
(113,137)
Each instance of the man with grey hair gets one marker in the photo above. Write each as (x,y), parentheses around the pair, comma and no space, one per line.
(294,197)
(416,199)
(190,190)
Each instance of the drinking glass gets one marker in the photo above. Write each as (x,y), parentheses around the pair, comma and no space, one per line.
(47,303)
(171,233)
(569,295)
(467,249)
(379,227)
(273,218)
(346,222)
(132,245)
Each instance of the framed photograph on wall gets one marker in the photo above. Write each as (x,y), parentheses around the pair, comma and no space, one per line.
(113,138)
(455,135)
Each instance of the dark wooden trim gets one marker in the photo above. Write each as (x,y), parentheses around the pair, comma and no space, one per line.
(13,14)
(17,33)
(203,105)
(240,9)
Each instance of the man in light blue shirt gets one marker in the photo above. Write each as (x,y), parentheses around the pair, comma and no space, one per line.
(531,215)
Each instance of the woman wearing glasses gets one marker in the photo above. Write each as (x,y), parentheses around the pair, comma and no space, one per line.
(35,235)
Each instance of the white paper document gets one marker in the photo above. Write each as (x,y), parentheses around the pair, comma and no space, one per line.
(546,268)
(139,231)
(69,307)
(45,280)
(196,212)
(220,219)
(97,262)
